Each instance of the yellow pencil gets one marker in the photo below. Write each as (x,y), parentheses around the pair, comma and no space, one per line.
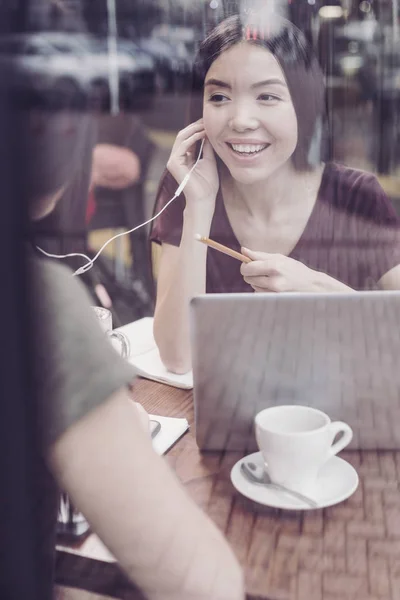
(223,249)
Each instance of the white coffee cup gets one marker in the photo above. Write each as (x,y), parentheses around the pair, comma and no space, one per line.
(105,319)
(296,441)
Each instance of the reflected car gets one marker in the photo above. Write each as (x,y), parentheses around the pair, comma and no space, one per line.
(173,63)
(381,74)
(350,45)
(347,57)
(380,83)
(74,68)
(41,69)
(138,82)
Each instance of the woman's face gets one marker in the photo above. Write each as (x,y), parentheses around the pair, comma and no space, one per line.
(248,113)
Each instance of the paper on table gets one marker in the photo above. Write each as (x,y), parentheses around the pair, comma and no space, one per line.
(171,430)
(150,366)
(140,335)
(144,355)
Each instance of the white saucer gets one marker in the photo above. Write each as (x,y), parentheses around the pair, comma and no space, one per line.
(337,481)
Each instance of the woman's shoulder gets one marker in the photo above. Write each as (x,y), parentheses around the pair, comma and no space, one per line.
(357,192)
(350,181)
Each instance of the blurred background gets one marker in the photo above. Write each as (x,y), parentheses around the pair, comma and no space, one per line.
(129,62)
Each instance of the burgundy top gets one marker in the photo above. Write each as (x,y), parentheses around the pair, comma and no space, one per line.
(353,233)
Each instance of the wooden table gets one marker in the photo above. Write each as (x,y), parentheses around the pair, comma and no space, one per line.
(351,550)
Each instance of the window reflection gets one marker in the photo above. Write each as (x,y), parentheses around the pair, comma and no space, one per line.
(129,64)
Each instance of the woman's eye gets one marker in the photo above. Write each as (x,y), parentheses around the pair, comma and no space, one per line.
(218,98)
(268,98)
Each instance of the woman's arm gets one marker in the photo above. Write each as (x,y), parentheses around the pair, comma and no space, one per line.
(182,270)
(391,279)
(182,275)
(136,505)
(114,167)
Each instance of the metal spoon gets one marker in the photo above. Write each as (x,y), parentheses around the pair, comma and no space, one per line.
(248,469)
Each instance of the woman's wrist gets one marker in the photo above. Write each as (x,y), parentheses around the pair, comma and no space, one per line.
(326,283)
(198,219)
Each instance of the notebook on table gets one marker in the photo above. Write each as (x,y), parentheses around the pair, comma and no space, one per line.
(145,357)
(172,429)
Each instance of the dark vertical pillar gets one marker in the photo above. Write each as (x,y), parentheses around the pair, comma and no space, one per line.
(21,575)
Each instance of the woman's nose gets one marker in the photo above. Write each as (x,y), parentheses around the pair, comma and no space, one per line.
(242,118)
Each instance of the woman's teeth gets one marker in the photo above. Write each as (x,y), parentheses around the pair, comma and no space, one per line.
(248,148)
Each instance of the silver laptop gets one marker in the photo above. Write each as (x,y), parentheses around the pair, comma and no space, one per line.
(336,352)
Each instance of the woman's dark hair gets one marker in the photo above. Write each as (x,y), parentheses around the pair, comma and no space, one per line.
(298,63)
(55,150)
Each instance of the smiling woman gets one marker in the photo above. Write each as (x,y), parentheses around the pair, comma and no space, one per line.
(262,184)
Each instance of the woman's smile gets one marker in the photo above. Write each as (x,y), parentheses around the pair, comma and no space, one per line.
(247,150)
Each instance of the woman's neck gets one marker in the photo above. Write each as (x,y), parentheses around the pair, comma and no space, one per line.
(274,197)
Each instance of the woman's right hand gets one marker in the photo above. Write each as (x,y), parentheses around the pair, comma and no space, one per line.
(204,181)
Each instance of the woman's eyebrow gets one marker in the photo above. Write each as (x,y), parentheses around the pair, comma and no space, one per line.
(223,84)
(272,81)
(218,83)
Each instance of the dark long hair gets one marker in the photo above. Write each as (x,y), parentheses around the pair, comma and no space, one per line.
(298,63)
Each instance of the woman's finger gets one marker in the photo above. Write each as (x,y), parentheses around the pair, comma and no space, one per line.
(189,143)
(189,130)
(260,281)
(260,290)
(182,157)
(179,142)
(260,267)
(254,255)
(275,283)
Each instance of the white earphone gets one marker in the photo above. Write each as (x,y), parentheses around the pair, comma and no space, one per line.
(90,261)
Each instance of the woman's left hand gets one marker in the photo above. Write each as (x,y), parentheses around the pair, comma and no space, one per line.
(279,273)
